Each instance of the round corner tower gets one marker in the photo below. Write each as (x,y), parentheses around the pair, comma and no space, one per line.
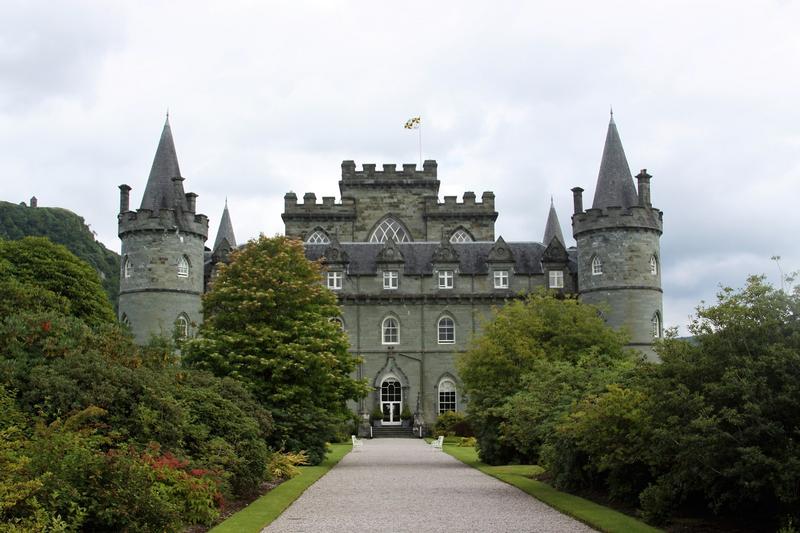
(619,260)
(162,262)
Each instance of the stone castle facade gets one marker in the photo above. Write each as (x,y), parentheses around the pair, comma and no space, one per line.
(416,277)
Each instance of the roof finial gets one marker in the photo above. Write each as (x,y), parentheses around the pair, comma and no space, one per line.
(167,121)
(551,200)
(612,113)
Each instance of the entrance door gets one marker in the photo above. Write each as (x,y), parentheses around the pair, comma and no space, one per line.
(391,401)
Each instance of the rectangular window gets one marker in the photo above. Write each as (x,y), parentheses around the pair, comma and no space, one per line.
(445,279)
(501,279)
(334,281)
(556,279)
(391,279)
(447,401)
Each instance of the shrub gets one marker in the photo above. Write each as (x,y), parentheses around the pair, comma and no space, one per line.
(467,442)
(284,465)
(451,424)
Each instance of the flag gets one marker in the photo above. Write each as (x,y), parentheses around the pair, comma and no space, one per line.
(413,123)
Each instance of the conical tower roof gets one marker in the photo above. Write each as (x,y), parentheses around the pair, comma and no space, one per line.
(614,182)
(225,231)
(160,190)
(553,228)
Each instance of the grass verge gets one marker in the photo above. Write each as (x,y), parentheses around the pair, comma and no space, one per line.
(268,507)
(588,512)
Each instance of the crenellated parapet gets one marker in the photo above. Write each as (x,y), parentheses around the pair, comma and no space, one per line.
(467,208)
(389,172)
(162,220)
(310,209)
(634,217)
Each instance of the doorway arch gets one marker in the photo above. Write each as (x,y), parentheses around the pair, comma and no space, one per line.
(391,399)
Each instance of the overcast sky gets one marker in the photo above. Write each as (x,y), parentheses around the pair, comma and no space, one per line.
(268,97)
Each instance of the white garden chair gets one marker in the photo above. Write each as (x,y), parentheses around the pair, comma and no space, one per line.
(357,443)
(437,444)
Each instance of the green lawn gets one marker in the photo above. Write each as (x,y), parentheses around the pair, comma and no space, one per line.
(588,512)
(267,508)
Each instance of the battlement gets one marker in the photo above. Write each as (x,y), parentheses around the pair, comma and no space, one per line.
(635,217)
(468,207)
(309,207)
(162,220)
(389,172)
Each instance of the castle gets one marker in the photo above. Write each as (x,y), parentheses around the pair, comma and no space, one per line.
(415,276)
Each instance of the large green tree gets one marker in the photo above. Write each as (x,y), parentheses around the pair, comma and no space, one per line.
(267,322)
(533,359)
(36,273)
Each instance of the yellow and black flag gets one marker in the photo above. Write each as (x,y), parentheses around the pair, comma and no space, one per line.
(413,123)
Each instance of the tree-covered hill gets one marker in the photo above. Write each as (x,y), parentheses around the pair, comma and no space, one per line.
(63,227)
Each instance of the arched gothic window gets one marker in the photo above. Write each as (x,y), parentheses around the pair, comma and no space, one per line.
(390,331)
(653,265)
(656,322)
(318,237)
(447,396)
(597,266)
(447,330)
(183,267)
(338,321)
(182,327)
(124,320)
(390,228)
(127,268)
(460,235)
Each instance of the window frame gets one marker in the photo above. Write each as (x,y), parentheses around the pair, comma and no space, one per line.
(445,276)
(183,267)
(182,327)
(456,236)
(335,276)
(319,236)
(452,398)
(557,281)
(391,280)
(658,328)
(390,228)
(452,330)
(395,334)
(338,321)
(127,268)
(501,279)
(597,266)
(653,265)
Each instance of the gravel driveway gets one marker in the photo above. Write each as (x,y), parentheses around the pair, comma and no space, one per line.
(404,485)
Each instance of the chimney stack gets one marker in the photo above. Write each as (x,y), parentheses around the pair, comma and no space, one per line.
(577,199)
(124,198)
(644,188)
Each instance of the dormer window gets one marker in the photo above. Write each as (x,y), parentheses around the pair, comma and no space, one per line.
(390,228)
(318,237)
(653,265)
(556,280)
(446,279)
(500,279)
(597,266)
(391,279)
(334,281)
(183,267)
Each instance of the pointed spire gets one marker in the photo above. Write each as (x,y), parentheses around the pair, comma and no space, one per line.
(614,182)
(553,228)
(225,231)
(160,192)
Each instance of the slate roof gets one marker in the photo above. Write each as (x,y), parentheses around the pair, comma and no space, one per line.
(418,256)
(160,191)
(225,231)
(614,182)
(553,227)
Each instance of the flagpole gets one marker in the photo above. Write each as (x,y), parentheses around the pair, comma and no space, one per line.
(420,145)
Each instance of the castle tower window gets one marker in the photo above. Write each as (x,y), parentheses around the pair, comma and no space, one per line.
(127,269)
(597,266)
(447,396)
(500,279)
(460,235)
(445,279)
(447,330)
(656,322)
(653,265)
(391,279)
(183,267)
(318,237)
(390,331)
(182,327)
(556,279)
(124,320)
(334,281)
(390,228)
(337,321)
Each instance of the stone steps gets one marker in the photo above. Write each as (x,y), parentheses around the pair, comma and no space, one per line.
(392,432)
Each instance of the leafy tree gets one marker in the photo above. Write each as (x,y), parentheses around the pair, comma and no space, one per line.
(266,322)
(64,282)
(62,227)
(515,372)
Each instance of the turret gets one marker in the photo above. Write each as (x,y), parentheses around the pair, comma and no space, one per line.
(161,277)
(225,241)
(619,261)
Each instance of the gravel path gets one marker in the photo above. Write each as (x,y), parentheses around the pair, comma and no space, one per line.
(403,485)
